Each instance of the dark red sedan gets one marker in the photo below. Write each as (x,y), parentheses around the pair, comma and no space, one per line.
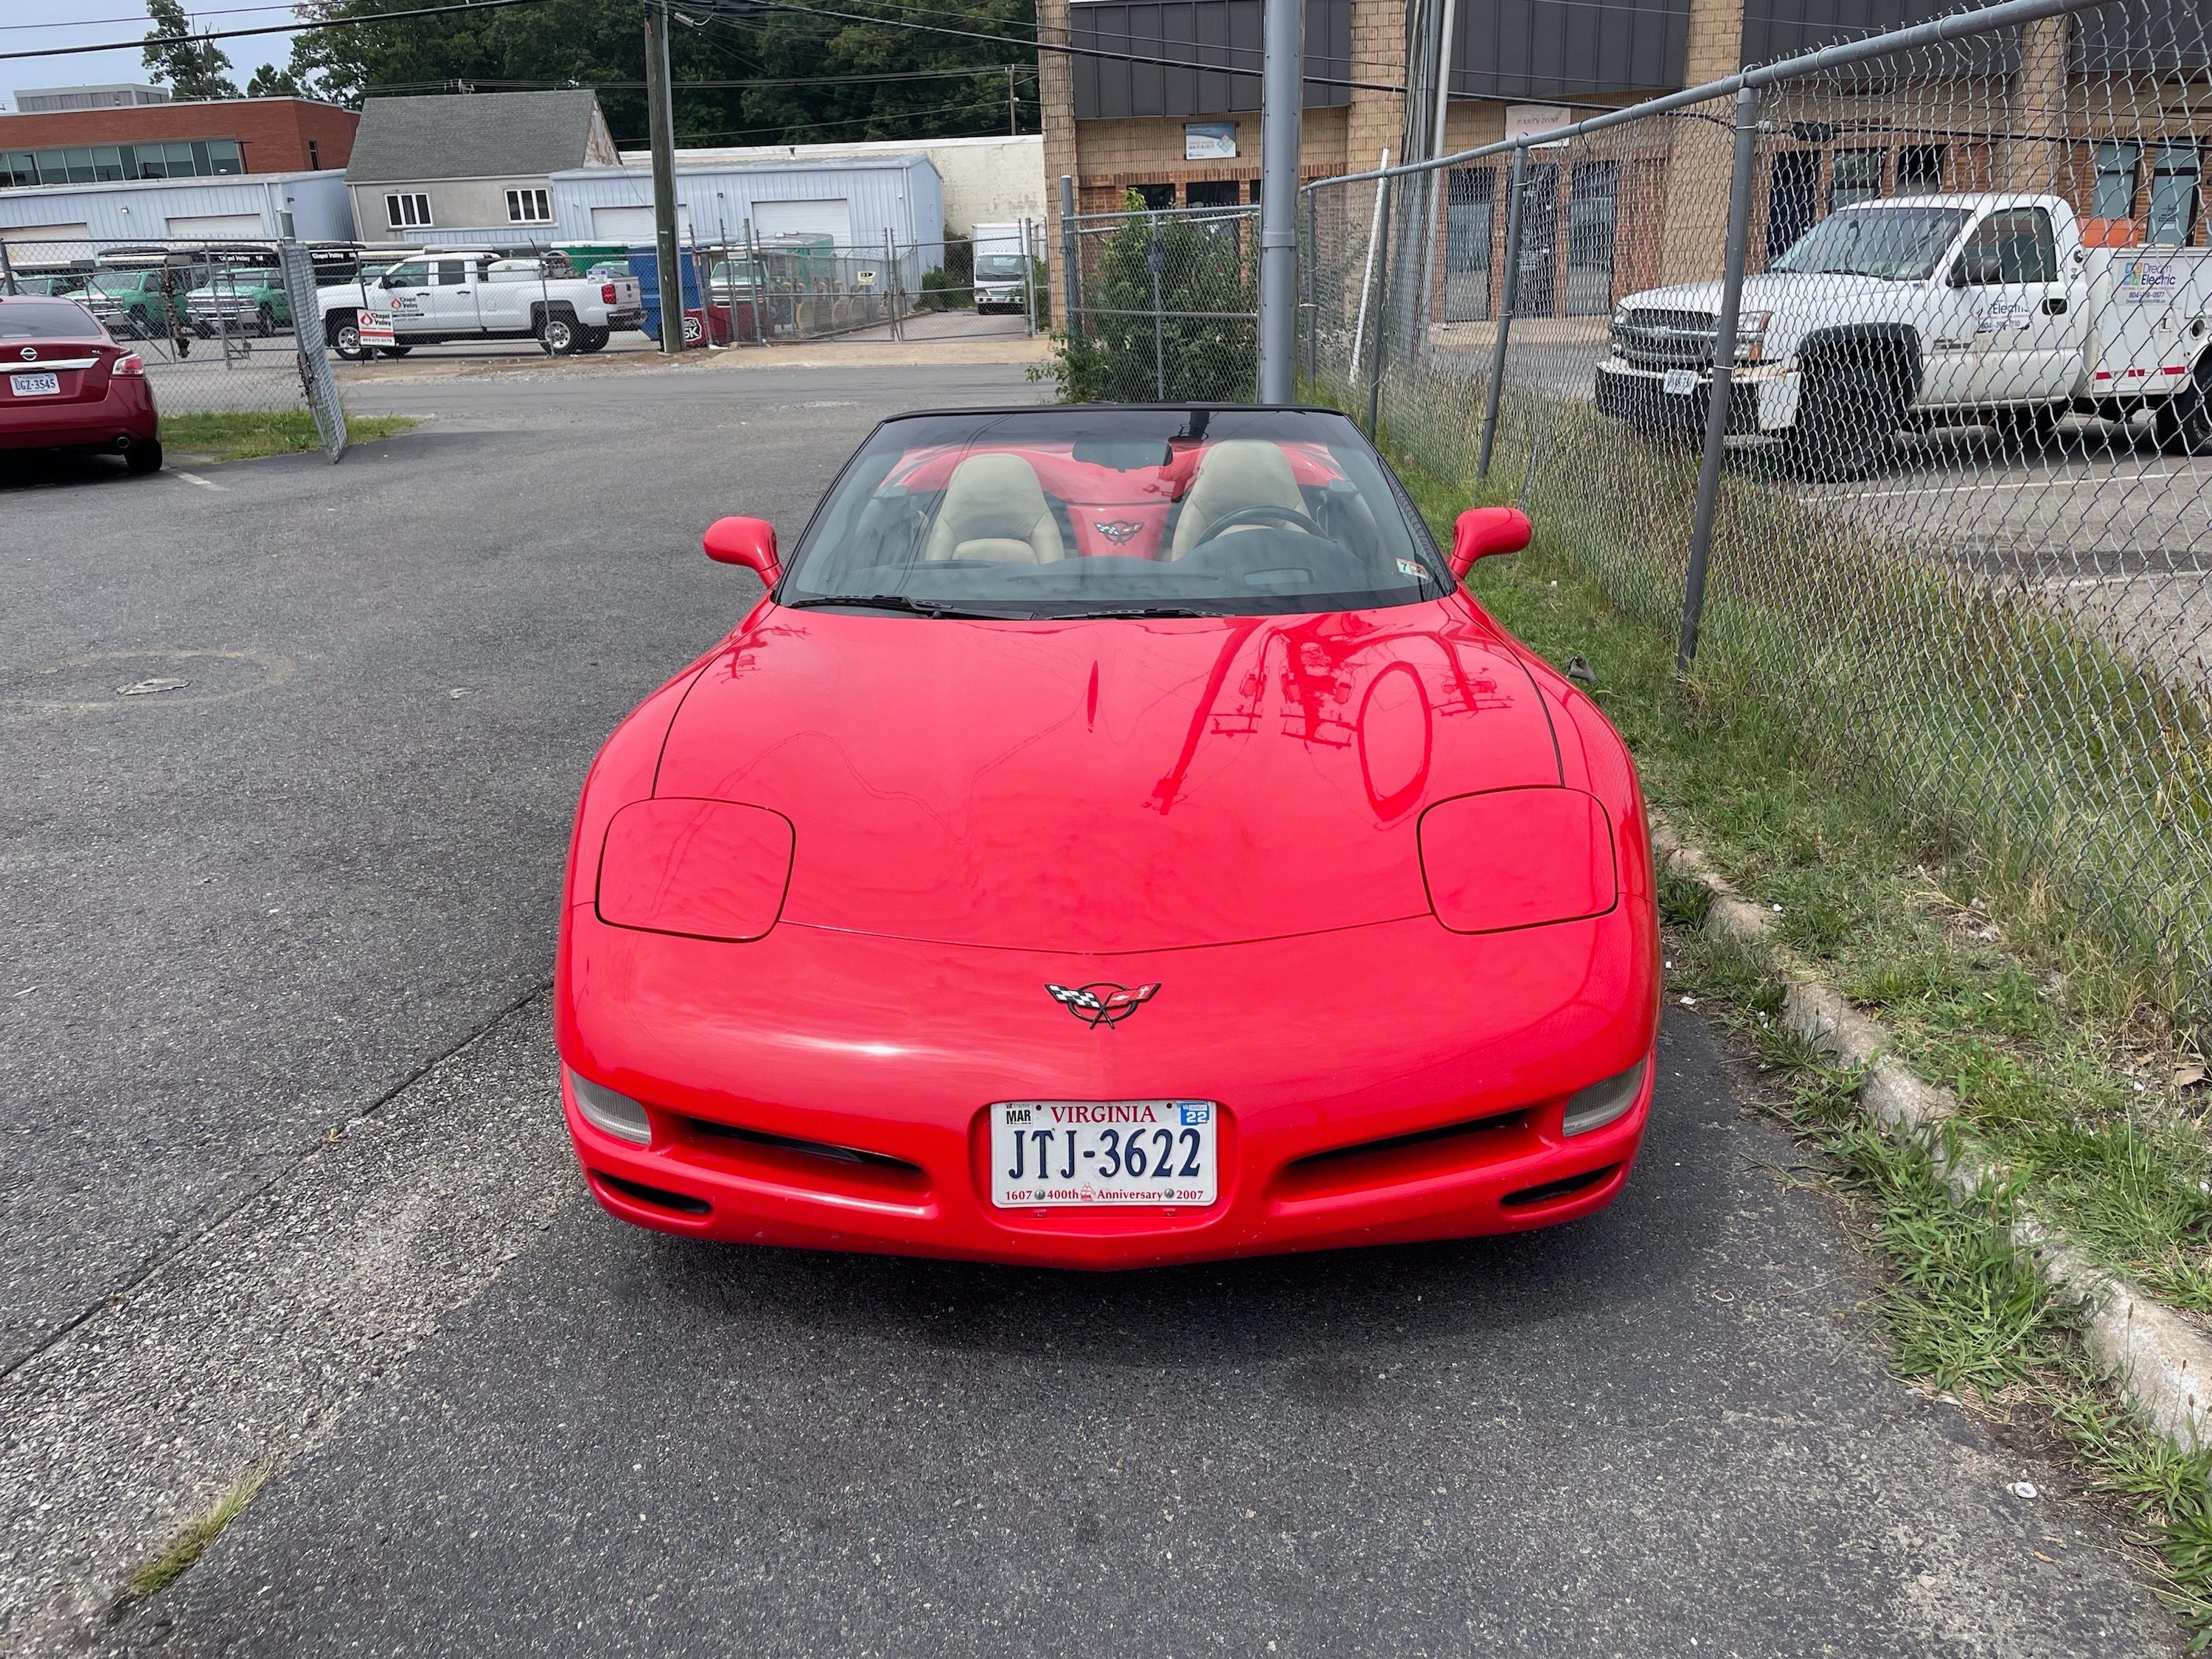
(65,384)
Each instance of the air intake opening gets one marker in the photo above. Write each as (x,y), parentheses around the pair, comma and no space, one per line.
(809,1166)
(1395,1160)
(1565,1186)
(710,1131)
(660,1197)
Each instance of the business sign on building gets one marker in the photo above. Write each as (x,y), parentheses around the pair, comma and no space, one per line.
(1522,120)
(1209,140)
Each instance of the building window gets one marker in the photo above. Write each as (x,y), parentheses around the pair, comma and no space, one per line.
(1157,196)
(314,156)
(1211,193)
(529,207)
(1920,169)
(2173,194)
(1856,178)
(2118,167)
(407,210)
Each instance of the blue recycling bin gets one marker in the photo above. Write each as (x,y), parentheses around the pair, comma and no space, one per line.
(644,265)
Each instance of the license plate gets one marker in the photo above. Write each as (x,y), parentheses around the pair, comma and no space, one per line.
(1085,1153)
(35,386)
(1680,382)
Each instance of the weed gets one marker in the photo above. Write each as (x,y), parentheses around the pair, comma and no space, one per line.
(174,1558)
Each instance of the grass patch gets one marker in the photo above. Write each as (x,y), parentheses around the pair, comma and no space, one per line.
(241,435)
(163,1568)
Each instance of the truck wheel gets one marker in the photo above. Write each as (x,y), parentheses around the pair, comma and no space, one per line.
(559,334)
(345,339)
(593,339)
(2184,422)
(393,351)
(1846,425)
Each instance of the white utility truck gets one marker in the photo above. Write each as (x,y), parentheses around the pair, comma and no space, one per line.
(1002,269)
(1925,311)
(473,293)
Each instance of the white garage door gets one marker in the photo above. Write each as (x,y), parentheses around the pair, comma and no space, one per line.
(37,241)
(635,224)
(833,219)
(220,227)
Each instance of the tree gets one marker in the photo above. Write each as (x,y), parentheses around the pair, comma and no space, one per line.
(192,68)
(271,81)
(1168,312)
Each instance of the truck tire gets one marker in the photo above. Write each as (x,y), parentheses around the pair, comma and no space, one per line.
(1846,426)
(393,351)
(594,339)
(2184,422)
(558,333)
(343,333)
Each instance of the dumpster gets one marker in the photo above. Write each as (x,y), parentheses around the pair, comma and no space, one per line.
(645,263)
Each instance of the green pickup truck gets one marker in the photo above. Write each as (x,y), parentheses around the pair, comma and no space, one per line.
(131,303)
(236,299)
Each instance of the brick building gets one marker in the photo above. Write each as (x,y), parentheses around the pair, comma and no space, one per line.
(2038,106)
(174,140)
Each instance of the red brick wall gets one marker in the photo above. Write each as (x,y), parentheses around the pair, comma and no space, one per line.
(272,133)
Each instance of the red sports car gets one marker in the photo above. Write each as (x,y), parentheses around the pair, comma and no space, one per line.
(65,384)
(1115,838)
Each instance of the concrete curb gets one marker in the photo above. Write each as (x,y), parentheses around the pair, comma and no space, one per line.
(2159,1363)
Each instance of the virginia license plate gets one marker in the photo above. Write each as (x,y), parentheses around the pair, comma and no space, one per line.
(35,386)
(1680,382)
(1074,1153)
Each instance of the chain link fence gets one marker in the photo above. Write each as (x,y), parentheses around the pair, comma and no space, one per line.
(1886,384)
(214,325)
(1163,305)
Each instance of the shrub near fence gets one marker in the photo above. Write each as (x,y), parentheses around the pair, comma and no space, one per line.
(2002,609)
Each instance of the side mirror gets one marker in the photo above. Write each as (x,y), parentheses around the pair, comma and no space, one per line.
(385,281)
(1483,530)
(748,541)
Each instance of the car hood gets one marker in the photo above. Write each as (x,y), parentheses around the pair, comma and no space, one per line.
(1828,294)
(1106,785)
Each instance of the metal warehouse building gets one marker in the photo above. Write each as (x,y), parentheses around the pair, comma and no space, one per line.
(855,201)
(246,207)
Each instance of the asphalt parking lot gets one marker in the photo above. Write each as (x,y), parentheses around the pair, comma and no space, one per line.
(289,1189)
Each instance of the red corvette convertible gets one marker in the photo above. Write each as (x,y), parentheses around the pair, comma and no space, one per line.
(1114,839)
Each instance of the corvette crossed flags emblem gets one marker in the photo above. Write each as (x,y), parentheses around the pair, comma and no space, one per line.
(1101,1003)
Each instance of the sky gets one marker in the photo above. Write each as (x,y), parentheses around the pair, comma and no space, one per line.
(31,25)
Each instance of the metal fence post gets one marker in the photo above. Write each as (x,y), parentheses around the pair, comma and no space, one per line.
(315,377)
(1508,296)
(1382,331)
(1070,276)
(7,270)
(1282,46)
(1155,257)
(1717,411)
(1029,282)
(1309,286)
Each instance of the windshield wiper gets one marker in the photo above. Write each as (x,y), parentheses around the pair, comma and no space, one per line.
(895,602)
(1141,611)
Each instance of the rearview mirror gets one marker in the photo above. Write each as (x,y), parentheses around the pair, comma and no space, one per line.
(748,541)
(1483,530)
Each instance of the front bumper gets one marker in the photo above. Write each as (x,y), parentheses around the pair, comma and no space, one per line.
(896,1049)
(1761,398)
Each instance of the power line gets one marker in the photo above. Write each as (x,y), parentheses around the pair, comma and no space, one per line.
(295,27)
(101,22)
(458,81)
(850,121)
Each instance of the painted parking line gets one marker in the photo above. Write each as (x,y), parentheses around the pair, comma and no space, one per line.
(2075,480)
(194,478)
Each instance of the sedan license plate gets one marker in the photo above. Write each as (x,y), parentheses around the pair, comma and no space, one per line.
(1094,1153)
(1680,382)
(35,386)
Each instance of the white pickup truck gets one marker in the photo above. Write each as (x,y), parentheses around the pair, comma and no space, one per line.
(1922,311)
(472,293)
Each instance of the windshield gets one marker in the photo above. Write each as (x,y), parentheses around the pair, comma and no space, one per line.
(1895,244)
(1116,512)
(999,264)
(47,319)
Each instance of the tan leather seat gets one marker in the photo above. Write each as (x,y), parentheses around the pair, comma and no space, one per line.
(994,508)
(1234,474)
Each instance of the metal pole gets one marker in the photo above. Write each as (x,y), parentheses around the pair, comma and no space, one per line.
(1716,411)
(897,288)
(1282,84)
(1382,334)
(1437,178)
(1154,258)
(1029,282)
(1310,285)
(1367,276)
(757,285)
(7,270)
(1070,274)
(660,122)
(1013,125)
(1509,294)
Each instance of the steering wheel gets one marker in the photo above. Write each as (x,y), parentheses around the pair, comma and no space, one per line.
(1290,517)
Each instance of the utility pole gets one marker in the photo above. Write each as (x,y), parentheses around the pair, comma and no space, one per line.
(1014,121)
(660,117)
(1282,87)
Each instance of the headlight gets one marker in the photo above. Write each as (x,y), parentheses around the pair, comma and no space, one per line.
(1602,1103)
(1517,857)
(706,869)
(616,1114)
(1751,335)
(1620,317)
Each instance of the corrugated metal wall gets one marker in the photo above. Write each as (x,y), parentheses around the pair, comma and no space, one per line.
(1223,32)
(320,211)
(1782,29)
(902,195)
(2169,34)
(1543,49)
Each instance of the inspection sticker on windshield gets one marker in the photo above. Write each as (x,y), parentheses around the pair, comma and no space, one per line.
(1411,571)
(1680,382)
